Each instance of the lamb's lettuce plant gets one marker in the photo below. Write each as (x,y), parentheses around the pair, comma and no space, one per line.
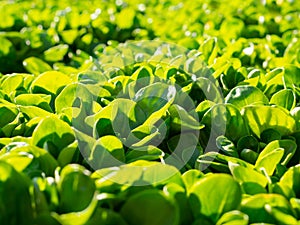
(105,120)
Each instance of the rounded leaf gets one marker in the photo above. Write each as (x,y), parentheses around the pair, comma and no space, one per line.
(50,82)
(261,118)
(284,98)
(150,207)
(214,195)
(244,95)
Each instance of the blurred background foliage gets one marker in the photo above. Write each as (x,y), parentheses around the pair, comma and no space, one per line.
(262,34)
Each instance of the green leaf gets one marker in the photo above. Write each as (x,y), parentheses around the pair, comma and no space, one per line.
(158,174)
(15,200)
(296,115)
(217,161)
(125,18)
(146,134)
(209,49)
(53,135)
(69,36)
(56,53)
(252,188)
(245,95)
(235,26)
(215,195)
(33,112)
(119,118)
(284,98)
(74,181)
(13,128)
(189,43)
(261,118)
(50,82)
(233,218)
(7,114)
(150,207)
(247,173)
(186,147)
(224,119)
(35,65)
(182,121)
(290,77)
(40,100)
(7,52)
(10,18)
(28,158)
(280,215)
(248,142)
(155,99)
(178,193)
(5,43)
(107,152)
(210,89)
(105,217)
(203,107)
(295,202)
(268,159)
(12,83)
(77,218)
(233,77)
(274,81)
(111,179)
(93,77)
(67,155)
(255,207)
(291,179)
(226,146)
(289,147)
(70,93)
(270,135)
(61,67)
(144,153)
(249,155)
(191,177)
